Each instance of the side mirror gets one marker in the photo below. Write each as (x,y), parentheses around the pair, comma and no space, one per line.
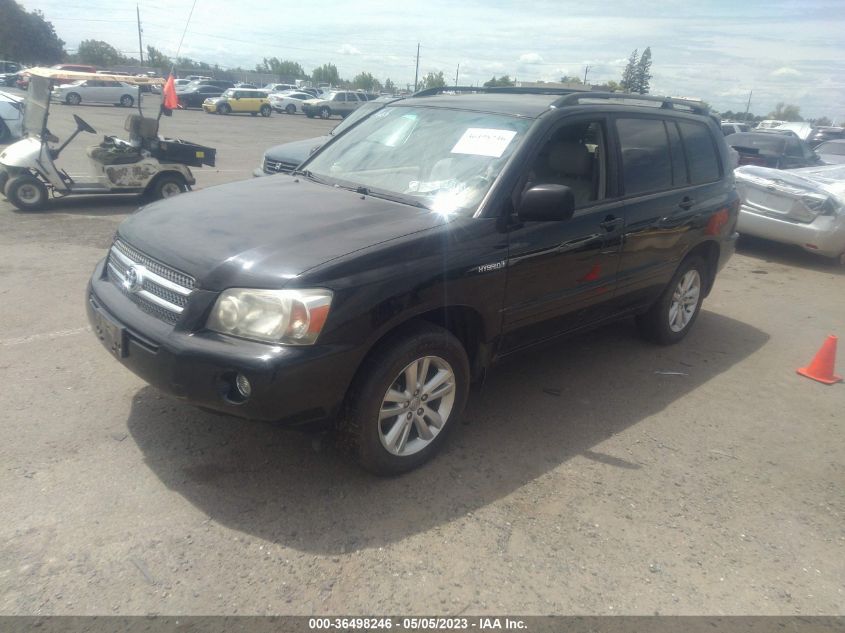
(546,203)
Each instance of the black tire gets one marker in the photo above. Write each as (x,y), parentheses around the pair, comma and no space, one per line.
(127,101)
(164,186)
(309,115)
(26,192)
(224,108)
(266,110)
(361,431)
(5,135)
(290,108)
(325,112)
(73,99)
(4,178)
(656,325)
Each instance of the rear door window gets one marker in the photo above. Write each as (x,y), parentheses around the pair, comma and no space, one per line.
(646,163)
(702,159)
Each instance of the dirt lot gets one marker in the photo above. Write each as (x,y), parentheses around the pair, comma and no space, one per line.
(718,490)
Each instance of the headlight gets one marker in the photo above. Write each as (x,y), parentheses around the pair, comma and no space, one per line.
(291,317)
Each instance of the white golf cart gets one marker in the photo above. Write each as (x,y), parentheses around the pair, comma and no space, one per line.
(146,164)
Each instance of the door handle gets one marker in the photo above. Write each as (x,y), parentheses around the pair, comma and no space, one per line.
(610,223)
(686,203)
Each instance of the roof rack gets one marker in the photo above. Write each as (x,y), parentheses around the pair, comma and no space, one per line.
(668,103)
(516,90)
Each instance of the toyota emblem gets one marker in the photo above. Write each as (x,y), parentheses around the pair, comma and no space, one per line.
(133,280)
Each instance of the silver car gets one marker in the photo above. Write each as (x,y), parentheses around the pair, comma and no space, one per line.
(805,207)
(832,152)
(96,91)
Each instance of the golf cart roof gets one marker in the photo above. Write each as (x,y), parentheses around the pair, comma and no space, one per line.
(72,75)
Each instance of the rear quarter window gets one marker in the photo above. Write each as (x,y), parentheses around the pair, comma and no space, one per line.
(702,158)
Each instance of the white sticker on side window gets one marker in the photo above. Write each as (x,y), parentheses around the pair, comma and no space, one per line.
(480,141)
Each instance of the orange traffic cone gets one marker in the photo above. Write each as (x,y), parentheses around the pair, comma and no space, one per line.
(821,367)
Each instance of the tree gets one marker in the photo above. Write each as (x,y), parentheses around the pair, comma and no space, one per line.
(28,37)
(821,122)
(566,79)
(432,80)
(98,53)
(389,86)
(642,75)
(504,80)
(284,70)
(612,86)
(327,73)
(629,75)
(157,59)
(366,81)
(786,112)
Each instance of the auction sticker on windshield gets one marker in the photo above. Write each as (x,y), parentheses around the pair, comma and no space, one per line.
(480,141)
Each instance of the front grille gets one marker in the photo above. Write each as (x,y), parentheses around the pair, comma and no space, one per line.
(154,287)
(278,166)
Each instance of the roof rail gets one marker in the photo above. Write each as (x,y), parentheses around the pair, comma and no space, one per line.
(516,90)
(668,103)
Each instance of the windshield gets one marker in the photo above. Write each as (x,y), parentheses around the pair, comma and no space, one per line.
(357,114)
(774,143)
(37,99)
(444,160)
(228,93)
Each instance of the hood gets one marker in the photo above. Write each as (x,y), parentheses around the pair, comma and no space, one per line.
(8,96)
(264,232)
(296,151)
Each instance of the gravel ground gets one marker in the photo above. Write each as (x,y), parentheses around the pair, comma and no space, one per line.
(583,479)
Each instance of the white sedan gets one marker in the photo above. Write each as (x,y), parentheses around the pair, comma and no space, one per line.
(96,91)
(11,116)
(290,102)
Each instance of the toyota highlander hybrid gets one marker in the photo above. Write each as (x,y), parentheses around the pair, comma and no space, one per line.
(409,254)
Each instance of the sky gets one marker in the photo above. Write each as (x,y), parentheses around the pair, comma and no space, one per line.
(716,50)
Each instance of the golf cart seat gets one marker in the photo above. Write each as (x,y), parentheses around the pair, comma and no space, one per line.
(143,134)
(142,130)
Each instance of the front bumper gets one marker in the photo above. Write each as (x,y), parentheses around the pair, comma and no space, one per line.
(209,107)
(824,236)
(295,384)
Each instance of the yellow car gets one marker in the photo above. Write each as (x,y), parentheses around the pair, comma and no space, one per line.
(237,100)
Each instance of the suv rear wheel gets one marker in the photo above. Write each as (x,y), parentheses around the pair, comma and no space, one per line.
(407,397)
(671,317)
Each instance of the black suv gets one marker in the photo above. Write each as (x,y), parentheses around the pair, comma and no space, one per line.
(409,254)
(194,93)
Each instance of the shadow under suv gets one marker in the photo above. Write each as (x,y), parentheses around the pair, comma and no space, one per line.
(409,254)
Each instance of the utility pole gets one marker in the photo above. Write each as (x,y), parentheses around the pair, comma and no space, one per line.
(140,45)
(747,106)
(417,71)
(457,72)
(586,70)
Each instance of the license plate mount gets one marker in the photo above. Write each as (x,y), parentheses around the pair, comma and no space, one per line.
(112,335)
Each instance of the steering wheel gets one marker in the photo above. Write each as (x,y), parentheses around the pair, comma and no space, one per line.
(83,126)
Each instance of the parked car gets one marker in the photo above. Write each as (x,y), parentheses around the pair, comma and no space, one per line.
(284,158)
(239,101)
(804,207)
(822,134)
(279,87)
(777,130)
(194,95)
(198,78)
(246,85)
(729,127)
(217,83)
(832,152)
(801,129)
(769,123)
(776,150)
(177,83)
(96,91)
(11,116)
(414,251)
(340,103)
(79,68)
(9,72)
(289,102)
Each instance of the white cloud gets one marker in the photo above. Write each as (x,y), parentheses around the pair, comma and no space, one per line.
(530,58)
(785,71)
(348,49)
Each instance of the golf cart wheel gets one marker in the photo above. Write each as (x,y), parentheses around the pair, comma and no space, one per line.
(73,99)
(167,186)
(5,134)
(224,108)
(325,113)
(126,101)
(290,108)
(26,192)
(266,111)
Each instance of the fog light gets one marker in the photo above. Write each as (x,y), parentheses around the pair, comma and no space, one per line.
(243,386)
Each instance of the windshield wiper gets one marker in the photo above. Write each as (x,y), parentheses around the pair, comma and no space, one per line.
(393,197)
(306,173)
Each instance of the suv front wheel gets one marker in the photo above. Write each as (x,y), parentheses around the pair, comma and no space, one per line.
(672,316)
(407,397)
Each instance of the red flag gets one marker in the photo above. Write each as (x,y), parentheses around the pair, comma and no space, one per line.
(169,100)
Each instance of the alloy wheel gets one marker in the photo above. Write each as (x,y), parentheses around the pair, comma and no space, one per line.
(684,300)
